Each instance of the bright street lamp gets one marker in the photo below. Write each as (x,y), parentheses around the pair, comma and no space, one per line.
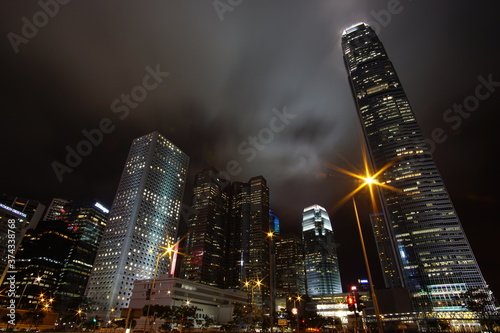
(368,180)
(252,284)
(37,280)
(169,250)
(295,310)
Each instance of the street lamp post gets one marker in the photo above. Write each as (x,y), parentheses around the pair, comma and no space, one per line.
(167,250)
(368,271)
(270,235)
(79,314)
(252,284)
(295,310)
(38,279)
(368,180)
(40,299)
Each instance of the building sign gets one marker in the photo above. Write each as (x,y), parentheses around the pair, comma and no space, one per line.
(282,322)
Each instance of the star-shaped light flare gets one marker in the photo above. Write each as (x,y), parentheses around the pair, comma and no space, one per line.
(367,180)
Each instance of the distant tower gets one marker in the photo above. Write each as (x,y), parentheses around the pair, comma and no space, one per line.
(87,220)
(227,242)
(321,261)
(274,223)
(17,215)
(55,209)
(429,247)
(290,270)
(248,246)
(257,267)
(57,256)
(145,215)
(40,259)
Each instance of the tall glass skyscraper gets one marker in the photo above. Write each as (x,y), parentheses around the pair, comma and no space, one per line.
(290,271)
(145,215)
(248,246)
(205,258)
(321,260)
(227,244)
(55,210)
(430,250)
(87,221)
(16,216)
(57,256)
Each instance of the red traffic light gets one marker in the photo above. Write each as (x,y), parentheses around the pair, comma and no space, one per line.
(351,303)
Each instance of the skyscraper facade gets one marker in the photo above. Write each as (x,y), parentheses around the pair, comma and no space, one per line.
(55,209)
(56,257)
(144,215)
(238,233)
(32,209)
(429,247)
(290,271)
(17,215)
(205,254)
(253,230)
(227,244)
(274,223)
(384,244)
(86,219)
(321,260)
(40,259)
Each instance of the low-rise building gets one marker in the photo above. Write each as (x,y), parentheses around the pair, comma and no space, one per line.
(211,302)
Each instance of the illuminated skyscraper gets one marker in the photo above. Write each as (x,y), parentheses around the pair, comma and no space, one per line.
(17,215)
(290,272)
(145,215)
(274,223)
(256,247)
(248,246)
(321,260)
(429,248)
(87,220)
(55,209)
(383,241)
(205,257)
(227,242)
(40,259)
(56,257)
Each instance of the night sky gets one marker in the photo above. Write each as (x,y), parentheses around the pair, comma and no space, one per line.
(252,88)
